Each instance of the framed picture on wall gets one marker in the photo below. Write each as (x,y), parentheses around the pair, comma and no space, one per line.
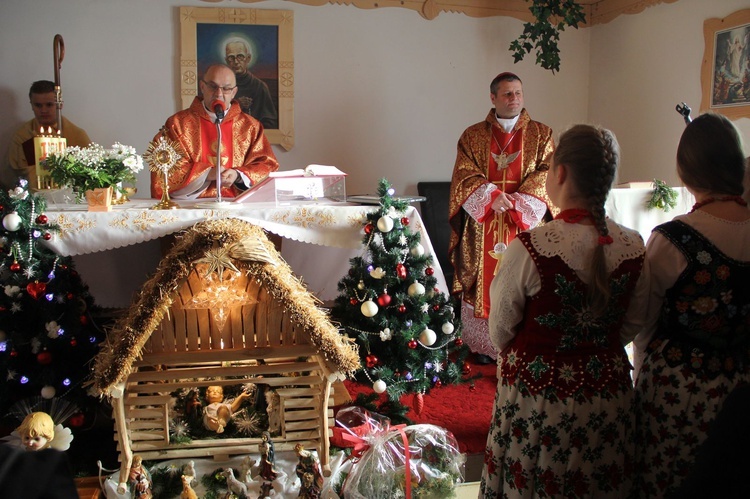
(725,72)
(258,45)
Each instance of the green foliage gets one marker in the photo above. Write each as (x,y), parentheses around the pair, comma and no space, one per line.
(412,343)
(662,197)
(167,480)
(93,167)
(552,17)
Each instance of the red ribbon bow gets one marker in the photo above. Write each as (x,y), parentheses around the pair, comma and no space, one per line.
(360,446)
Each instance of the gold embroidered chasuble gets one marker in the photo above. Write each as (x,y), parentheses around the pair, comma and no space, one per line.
(243,147)
(515,162)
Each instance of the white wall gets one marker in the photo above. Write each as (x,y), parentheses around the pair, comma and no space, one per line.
(378,93)
(642,66)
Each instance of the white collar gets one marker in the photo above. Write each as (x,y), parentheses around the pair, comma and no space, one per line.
(507,124)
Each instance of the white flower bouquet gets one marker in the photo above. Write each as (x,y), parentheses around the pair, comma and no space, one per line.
(92,167)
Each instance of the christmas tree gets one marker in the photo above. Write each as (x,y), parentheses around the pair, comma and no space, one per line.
(408,335)
(47,336)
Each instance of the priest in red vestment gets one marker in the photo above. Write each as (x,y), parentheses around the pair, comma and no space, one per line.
(497,191)
(246,154)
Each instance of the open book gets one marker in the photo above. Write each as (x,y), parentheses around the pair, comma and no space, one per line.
(309,171)
(265,191)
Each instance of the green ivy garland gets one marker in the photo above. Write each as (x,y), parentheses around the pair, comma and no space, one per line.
(552,16)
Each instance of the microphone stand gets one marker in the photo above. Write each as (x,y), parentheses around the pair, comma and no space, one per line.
(218,203)
(218,159)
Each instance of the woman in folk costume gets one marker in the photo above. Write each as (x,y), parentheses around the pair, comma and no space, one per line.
(695,348)
(567,298)
(497,191)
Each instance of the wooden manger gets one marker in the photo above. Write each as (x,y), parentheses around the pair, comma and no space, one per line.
(222,309)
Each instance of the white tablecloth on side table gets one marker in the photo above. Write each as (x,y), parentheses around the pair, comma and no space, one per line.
(627,207)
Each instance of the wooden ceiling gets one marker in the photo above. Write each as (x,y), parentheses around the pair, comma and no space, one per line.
(597,11)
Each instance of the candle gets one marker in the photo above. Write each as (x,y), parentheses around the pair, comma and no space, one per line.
(44,145)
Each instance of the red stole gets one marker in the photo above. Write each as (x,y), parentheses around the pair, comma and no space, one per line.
(504,170)
(209,136)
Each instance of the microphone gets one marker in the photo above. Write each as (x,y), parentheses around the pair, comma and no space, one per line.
(219,107)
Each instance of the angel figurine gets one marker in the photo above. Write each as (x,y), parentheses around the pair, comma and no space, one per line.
(38,431)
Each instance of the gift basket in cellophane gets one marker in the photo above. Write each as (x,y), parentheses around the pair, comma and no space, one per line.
(416,461)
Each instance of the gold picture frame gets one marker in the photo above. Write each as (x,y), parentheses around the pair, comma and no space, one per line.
(204,33)
(725,79)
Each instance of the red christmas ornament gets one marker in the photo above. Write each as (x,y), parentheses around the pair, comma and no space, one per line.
(384,300)
(36,289)
(368,229)
(84,320)
(69,296)
(73,342)
(15,267)
(44,358)
(404,221)
(438,384)
(47,236)
(372,361)
(412,343)
(13,353)
(401,271)
(41,219)
(402,308)
(397,374)
(418,403)
(436,307)
(429,271)
(466,369)
(459,342)
(77,420)
(353,301)
(64,267)
(472,388)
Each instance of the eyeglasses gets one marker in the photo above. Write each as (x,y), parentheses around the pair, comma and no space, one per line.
(238,57)
(214,87)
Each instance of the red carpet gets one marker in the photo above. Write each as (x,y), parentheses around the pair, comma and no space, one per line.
(464,410)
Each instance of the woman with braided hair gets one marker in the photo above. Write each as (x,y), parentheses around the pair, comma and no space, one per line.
(695,348)
(567,298)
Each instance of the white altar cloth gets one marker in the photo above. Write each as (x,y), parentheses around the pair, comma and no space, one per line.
(320,238)
(627,206)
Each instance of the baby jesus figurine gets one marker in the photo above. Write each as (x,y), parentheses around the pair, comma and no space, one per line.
(217,413)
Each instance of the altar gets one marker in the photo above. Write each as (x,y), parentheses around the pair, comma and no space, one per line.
(116,251)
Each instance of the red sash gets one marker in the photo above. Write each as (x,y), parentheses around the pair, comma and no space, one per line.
(504,171)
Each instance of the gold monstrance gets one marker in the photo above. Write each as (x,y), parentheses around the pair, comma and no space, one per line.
(162,155)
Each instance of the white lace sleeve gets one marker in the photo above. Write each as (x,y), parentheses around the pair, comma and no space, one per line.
(530,209)
(516,279)
(476,204)
(635,317)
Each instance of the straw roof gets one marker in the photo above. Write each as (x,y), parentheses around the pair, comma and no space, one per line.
(243,246)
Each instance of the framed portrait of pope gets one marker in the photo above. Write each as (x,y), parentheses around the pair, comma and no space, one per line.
(258,45)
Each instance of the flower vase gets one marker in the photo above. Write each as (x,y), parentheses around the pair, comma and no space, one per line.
(99,199)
